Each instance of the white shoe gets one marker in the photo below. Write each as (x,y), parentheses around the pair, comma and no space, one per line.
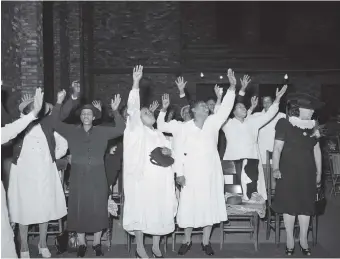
(44,252)
(25,254)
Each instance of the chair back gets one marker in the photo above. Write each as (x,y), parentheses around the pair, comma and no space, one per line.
(270,181)
(231,182)
(335,163)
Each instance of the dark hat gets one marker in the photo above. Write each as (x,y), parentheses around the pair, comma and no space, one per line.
(96,113)
(305,100)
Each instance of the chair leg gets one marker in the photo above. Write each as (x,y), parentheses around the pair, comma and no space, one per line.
(221,235)
(277,229)
(269,218)
(256,230)
(128,242)
(173,241)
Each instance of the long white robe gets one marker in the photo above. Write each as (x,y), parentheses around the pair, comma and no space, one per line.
(149,190)
(35,192)
(202,200)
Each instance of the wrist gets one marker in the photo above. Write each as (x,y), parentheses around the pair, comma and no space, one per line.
(181,92)
(276,170)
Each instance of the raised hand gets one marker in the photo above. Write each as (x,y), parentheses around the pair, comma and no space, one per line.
(232,79)
(165,102)
(115,102)
(38,101)
(61,96)
(218,91)
(153,107)
(75,89)
(97,104)
(245,82)
(280,93)
(254,102)
(137,73)
(180,84)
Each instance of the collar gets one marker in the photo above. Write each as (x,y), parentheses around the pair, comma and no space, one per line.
(302,124)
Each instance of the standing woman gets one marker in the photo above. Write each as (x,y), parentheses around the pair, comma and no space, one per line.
(149,190)
(297,167)
(88,204)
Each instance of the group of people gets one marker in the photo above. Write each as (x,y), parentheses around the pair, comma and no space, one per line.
(152,202)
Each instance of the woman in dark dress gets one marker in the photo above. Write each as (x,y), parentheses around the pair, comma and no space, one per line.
(88,197)
(297,167)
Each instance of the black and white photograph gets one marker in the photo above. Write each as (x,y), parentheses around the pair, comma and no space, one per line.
(169,129)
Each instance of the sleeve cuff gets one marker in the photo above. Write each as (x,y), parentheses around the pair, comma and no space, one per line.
(182,95)
(74,98)
(31,116)
(242,93)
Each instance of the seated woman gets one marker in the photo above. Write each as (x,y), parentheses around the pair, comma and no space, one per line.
(297,166)
(150,201)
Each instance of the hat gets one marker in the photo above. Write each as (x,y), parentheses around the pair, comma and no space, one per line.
(305,100)
(182,110)
(27,100)
(96,113)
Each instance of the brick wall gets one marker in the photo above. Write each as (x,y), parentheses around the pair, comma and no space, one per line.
(22,50)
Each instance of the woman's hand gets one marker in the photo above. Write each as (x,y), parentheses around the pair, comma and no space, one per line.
(165,102)
(318,180)
(166,151)
(277,174)
(280,93)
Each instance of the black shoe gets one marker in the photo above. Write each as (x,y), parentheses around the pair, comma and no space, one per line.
(81,251)
(290,252)
(305,251)
(207,249)
(98,250)
(184,248)
(137,255)
(156,256)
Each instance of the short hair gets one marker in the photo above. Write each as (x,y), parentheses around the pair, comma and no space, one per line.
(194,105)
(267,96)
(293,109)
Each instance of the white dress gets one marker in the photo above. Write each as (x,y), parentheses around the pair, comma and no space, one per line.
(35,193)
(149,190)
(202,201)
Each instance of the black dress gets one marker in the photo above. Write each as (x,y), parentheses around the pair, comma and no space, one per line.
(88,196)
(296,190)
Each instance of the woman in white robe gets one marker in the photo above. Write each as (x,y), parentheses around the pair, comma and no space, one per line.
(35,193)
(150,203)
(202,202)
(10,131)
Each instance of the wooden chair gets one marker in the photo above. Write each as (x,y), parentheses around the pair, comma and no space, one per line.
(233,186)
(334,159)
(275,220)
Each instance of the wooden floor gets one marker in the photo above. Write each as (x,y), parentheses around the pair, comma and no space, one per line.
(236,245)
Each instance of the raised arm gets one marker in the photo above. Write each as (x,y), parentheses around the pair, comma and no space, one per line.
(227,104)
(183,93)
(71,103)
(10,131)
(133,104)
(263,119)
(62,128)
(167,127)
(118,130)
(61,145)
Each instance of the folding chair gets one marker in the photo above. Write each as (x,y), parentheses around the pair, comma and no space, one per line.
(335,173)
(275,220)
